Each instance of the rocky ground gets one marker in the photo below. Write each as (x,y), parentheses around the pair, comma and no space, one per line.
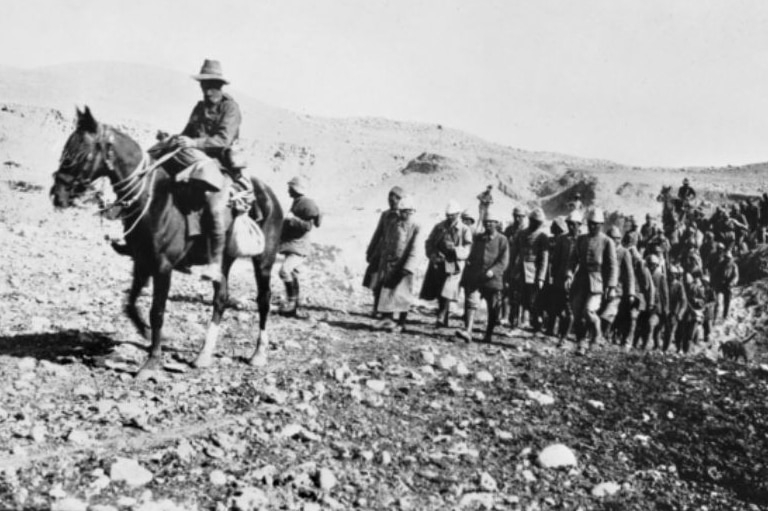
(344,416)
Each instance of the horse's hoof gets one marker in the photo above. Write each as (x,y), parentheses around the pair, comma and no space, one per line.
(203,360)
(258,360)
(150,371)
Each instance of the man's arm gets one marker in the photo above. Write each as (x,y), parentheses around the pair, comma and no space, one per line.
(223,133)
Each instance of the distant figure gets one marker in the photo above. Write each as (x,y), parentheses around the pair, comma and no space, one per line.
(575,203)
(686,194)
(373,252)
(485,199)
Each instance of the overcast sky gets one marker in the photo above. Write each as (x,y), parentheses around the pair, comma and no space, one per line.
(646,82)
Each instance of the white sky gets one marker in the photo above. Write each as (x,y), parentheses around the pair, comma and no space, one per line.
(646,82)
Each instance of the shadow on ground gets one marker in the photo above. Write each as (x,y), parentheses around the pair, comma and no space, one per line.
(65,346)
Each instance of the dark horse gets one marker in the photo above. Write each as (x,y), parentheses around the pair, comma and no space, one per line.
(155,227)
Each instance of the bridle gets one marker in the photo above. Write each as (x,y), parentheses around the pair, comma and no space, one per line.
(128,189)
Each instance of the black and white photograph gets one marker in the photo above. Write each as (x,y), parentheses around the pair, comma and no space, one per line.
(326,255)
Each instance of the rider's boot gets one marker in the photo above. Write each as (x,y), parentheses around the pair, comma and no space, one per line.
(215,204)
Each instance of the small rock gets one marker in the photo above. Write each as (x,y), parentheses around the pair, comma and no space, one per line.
(528,476)
(126,502)
(477,500)
(291,430)
(605,489)
(427,369)
(596,405)
(540,397)
(366,455)
(325,479)
(447,362)
(69,504)
(274,395)
(217,478)
(57,492)
(78,437)
(102,507)
(487,482)
(185,451)
(128,470)
(461,369)
(504,435)
(557,455)
(54,369)
(248,499)
(386,458)
(484,377)
(84,391)
(428,357)
(377,386)
(38,433)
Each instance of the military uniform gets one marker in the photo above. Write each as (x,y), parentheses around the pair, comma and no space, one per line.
(529,259)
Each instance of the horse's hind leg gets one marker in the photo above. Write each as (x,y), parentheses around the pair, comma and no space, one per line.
(140,279)
(263,283)
(220,299)
(161,285)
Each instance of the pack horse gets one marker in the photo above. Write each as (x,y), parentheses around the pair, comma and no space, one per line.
(155,224)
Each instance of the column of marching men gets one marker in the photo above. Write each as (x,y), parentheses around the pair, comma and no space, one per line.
(637,287)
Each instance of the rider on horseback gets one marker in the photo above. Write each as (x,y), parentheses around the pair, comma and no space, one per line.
(686,194)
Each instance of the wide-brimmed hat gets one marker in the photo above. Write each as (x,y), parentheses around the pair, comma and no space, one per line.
(492,215)
(407,203)
(453,207)
(211,70)
(537,215)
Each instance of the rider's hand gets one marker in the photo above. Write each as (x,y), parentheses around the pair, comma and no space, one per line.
(184,142)
(489,274)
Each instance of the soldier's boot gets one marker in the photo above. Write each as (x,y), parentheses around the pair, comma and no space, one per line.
(469,324)
(290,305)
(375,313)
(446,313)
(216,204)
(401,322)
(629,340)
(565,329)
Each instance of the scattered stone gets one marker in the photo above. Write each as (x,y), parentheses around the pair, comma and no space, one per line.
(274,395)
(447,362)
(504,435)
(461,369)
(126,502)
(484,377)
(102,507)
(428,357)
(185,451)
(477,500)
(487,482)
(596,405)
(265,474)
(325,479)
(84,391)
(128,470)
(175,367)
(248,499)
(540,397)
(605,489)
(528,476)
(366,455)
(57,370)
(217,478)
(427,369)
(69,504)
(557,455)
(386,458)
(291,430)
(38,433)
(78,437)
(378,386)
(57,492)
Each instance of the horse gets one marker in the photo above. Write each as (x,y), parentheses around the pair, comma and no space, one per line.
(155,228)
(672,211)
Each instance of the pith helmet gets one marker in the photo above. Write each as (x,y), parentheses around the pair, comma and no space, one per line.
(492,216)
(596,216)
(537,215)
(453,208)
(614,232)
(518,211)
(575,217)
(211,71)
(407,203)
(298,185)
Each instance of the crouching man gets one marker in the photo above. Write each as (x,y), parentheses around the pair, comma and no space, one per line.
(483,276)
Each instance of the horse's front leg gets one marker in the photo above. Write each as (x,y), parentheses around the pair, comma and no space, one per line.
(220,300)
(140,278)
(161,283)
(264,289)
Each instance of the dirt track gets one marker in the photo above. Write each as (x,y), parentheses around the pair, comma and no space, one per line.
(393,427)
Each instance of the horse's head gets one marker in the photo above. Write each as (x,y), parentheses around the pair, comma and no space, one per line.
(664,194)
(87,155)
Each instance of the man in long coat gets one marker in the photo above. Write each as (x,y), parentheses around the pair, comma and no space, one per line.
(510,232)
(529,260)
(593,275)
(447,249)
(397,265)
(373,252)
(559,262)
(614,324)
(483,276)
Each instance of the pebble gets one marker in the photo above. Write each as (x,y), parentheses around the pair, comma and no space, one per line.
(69,504)
(102,507)
(185,451)
(427,369)
(484,377)
(488,483)
(428,357)
(540,397)
(378,386)
(248,499)
(218,478)
(386,458)
(477,500)
(325,479)
(605,489)
(38,433)
(528,476)
(128,470)
(461,369)
(557,455)
(447,362)
(596,405)
(78,437)
(84,391)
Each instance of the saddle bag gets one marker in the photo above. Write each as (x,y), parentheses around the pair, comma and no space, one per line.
(245,238)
